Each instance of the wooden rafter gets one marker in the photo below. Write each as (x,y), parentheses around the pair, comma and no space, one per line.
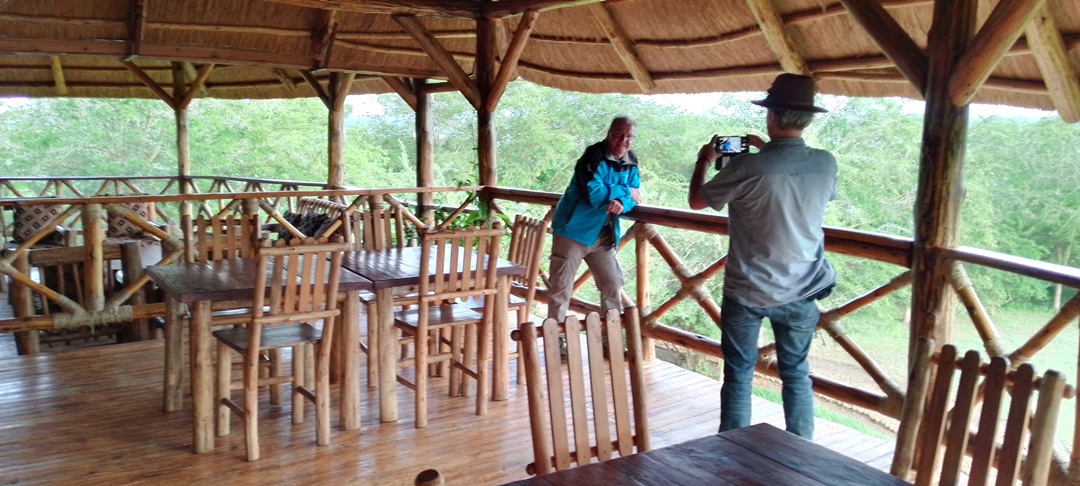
(136,26)
(467,9)
(441,57)
(195,86)
(284,78)
(510,59)
(772,26)
(624,47)
(891,39)
(403,88)
(509,8)
(58,76)
(322,39)
(149,83)
(997,35)
(1058,72)
(318,88)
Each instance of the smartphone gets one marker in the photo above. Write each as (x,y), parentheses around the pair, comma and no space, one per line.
(732,145)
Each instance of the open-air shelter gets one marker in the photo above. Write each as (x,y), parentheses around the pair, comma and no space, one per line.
(950,53)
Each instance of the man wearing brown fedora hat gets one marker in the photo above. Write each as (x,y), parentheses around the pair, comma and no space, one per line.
(776,264)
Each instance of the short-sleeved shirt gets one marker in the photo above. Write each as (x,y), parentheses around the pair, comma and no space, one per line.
(776,205)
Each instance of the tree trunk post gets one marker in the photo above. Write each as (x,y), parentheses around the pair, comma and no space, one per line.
(340,85)
(425,158)
(183,153)
(644,298)
(485,122)
(941,191)
(22,303)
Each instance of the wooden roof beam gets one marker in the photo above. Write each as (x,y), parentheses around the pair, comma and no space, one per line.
(284,77)
(318,88)
(150,83)
(994,39)
(891,39)
(322,39)
(1048,48)
(441,57)
(136,26)
(508,68)
(191,74)
(58,76)
(624,47)
(772,26)
(510,8)
(403,88)
(196,86)
(467,9)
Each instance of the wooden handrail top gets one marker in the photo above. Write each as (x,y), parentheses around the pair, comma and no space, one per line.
(1049,272)
(7,202)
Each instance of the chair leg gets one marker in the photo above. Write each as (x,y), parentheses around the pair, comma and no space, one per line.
(456,348)
(299,376)
(372,345)
(468,356)
(276,391)
(251,405)
(224,388)
(322,397)
(421,378)
(522,316)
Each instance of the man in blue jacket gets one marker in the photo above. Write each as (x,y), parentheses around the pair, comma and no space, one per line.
(605,184)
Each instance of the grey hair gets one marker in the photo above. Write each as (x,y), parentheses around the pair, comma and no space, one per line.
(786,120)
(621,119)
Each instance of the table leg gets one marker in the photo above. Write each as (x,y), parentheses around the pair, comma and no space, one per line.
(387,341)
(350,361)
(500,374)
(202,378)
(174,356)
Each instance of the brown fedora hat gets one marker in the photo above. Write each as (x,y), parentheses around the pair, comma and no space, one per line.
(791,92)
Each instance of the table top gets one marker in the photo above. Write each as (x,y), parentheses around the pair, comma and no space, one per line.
(231,279)
(397,267)
(757,455)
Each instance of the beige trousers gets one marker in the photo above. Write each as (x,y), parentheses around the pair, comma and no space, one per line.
(566,257)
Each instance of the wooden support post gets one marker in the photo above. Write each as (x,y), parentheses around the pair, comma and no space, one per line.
(485,76)
(425,158)
(93,220)
(183,153)
(644,298)
(22,302)
(340,85)
(940,195)
(58,76)
(131,264)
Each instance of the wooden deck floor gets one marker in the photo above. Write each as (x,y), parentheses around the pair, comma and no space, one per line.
(93,415)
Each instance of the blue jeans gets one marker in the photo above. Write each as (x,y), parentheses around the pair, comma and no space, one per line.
(793,325)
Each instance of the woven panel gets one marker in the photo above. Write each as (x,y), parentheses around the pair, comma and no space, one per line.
(122,228)
(30,219)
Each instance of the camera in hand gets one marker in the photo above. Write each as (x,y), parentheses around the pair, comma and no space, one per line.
(732,145)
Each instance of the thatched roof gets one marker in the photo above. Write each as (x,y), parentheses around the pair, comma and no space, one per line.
(263,48)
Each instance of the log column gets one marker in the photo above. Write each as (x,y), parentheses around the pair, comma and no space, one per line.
(425,158)
(183,152)
(941,191)
(340,85)
(485,120)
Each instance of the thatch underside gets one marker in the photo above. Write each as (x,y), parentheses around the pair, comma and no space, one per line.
(262,48)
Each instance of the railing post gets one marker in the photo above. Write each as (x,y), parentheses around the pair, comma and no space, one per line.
(94,262)
(131,263)
(644,298)
(26,342)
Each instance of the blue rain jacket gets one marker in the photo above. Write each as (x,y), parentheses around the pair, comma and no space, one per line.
(582,210)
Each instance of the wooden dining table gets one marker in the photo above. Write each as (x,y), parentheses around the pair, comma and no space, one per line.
(400,267)
(757,455)
(195,288)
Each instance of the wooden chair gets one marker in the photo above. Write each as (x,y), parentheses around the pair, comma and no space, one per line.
(220,236)
(526,249)
(458,271)
(553,447)
(933,435)
(303,290)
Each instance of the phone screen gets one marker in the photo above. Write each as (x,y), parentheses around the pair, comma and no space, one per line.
(730,145)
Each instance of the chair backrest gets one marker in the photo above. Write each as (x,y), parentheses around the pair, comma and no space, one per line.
(387,227)
(307,271)
(456,261)
(553,447)
(526,249)
(935,435)
(221,236)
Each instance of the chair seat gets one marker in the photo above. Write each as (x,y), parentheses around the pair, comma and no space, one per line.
(367,297)
(438,316)
(477,302)
(272,336)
